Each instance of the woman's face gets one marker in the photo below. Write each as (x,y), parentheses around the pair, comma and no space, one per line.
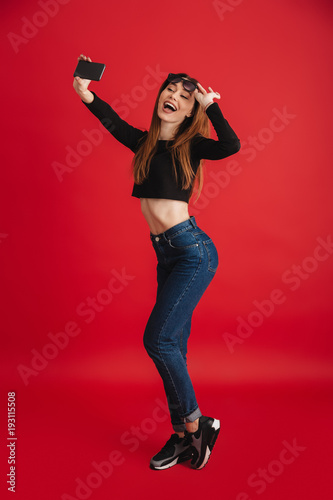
(175,103)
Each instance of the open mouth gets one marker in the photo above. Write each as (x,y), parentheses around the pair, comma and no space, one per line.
(169,106)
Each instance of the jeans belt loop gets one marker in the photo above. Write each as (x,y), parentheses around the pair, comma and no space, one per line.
(192,221)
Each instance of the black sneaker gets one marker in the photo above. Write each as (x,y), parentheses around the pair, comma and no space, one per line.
(175,451)
(203,441)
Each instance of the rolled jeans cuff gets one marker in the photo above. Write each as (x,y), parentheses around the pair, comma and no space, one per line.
(193,416)
(190,418)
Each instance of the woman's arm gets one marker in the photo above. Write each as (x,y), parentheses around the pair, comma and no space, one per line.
(126,134)
(227,143)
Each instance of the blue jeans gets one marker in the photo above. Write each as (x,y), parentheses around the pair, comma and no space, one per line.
(187,261)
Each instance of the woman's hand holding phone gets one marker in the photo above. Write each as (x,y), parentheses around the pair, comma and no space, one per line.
(81,85)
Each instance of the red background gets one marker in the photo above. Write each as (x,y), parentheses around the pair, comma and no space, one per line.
(61,237)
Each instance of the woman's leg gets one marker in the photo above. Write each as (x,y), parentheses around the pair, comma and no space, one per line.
(184,336)
(189,273)
(176,420)
(187,263)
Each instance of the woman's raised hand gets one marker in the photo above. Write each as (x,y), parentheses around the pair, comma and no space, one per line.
(81,84)
(204,97)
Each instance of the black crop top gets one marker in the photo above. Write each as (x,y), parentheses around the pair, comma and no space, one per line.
(161,182)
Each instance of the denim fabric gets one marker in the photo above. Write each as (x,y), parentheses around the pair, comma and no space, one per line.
(187,261)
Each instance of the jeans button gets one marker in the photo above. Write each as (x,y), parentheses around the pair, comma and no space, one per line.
(157,238)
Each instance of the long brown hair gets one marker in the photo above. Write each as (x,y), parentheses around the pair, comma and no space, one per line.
(197,123)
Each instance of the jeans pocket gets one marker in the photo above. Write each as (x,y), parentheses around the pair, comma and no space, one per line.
(183,240)
(213,259)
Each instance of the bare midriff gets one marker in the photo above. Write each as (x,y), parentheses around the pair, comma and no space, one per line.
(162,214)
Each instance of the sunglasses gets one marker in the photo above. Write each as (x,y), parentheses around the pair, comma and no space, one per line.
(187,84)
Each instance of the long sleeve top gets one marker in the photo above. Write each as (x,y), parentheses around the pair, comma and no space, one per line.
(161,181)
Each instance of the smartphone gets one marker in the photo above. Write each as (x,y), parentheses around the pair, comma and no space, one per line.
(89,70)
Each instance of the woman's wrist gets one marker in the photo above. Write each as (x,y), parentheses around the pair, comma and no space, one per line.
(208,104)
(86,96)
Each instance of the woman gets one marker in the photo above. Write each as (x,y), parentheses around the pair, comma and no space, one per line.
(168,160)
